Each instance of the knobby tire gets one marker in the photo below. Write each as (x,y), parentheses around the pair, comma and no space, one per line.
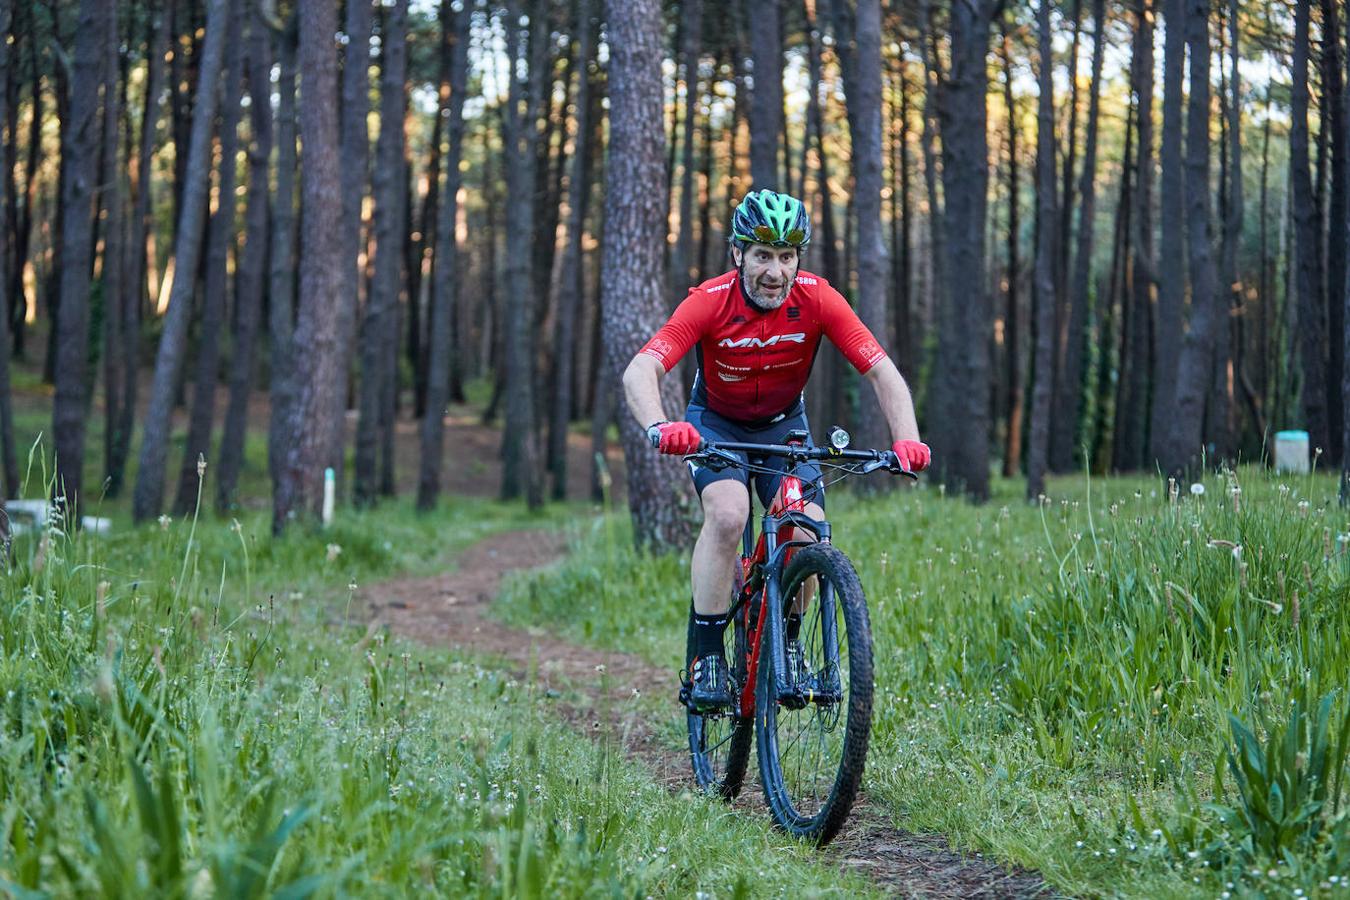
(800,803)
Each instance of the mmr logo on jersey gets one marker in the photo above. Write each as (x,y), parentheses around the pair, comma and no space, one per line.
(798,338)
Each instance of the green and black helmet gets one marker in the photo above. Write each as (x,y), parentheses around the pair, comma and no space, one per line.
(766,217)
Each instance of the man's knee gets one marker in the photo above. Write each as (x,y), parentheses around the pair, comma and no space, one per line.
(726,504)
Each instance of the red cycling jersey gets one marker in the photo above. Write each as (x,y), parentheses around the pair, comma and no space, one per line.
(752,365)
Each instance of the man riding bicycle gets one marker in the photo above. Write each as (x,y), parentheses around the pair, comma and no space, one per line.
(756,330)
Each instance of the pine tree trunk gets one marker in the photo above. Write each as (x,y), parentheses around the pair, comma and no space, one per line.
(1220,420)
(379,326)
(354,158)
(961,453)
(318,374)
(220,234)
(1064,447)
(766,99)
(1334,119)
(445,289)
(134,287)
(862,87)
(1047,235)
(520,454)
(570,282)
(1114,359)
(1312,320)
(659,497)
(680,269)
(1171,263)
(21,214)
(1195,364)
(249,281)
(1345,308)
(79,152)
(907,337)
(1012,339)
(282,387)
(114,340)
(1132,415)
(9,470)
(148,497)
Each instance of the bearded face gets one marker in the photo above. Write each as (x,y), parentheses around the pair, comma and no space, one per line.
(767,273)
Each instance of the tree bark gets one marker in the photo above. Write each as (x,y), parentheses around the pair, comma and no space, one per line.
(379,328)
(219,239)
(299,490)
(445,287)
(1047,236)
(1334,117)
(148,496)
(570,281)
(249,282)
(354,159)
(134,287)
(907,334)
(1171,264)
(1012,452)
(1114,357)
(115,349)
(79,150)
(1312,320)
(281,274)
(520,451)
(766,97)
(1345,308)
(680,269)
(862,87)
(9,469)
(961,449)
(1132,413)
(1064,448)
(1195,364)
(1220,420)
(659,498)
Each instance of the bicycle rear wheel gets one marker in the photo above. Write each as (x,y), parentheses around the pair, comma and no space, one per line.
(719,743)
(813,741)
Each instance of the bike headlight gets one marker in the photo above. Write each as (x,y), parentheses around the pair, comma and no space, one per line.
(838,438)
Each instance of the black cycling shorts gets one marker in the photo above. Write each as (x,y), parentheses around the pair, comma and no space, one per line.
(714,427)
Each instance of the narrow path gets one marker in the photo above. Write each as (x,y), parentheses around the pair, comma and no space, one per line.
(451,609)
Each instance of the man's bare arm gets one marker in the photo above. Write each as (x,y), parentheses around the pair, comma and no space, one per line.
(896,403)
(642,389)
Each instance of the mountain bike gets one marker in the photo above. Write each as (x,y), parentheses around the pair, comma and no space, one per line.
(810,713)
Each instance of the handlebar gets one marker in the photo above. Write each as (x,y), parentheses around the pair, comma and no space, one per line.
(724,453)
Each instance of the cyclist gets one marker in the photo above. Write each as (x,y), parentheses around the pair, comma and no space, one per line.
(756,330)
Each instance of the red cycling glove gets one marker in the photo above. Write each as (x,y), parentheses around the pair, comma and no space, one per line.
(913,455)
(675,438)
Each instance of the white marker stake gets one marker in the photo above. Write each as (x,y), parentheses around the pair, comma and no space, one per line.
(329,490)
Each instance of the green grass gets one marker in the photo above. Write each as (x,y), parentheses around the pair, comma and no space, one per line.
(194,709)
(1102,688)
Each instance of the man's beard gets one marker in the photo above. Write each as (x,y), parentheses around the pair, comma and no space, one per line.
(757,299)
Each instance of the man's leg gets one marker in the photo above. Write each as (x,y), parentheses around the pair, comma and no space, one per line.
(726,505)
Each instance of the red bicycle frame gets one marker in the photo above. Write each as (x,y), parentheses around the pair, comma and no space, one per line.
(787,499)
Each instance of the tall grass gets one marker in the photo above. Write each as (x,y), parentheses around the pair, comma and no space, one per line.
(191,709)
(1044,670)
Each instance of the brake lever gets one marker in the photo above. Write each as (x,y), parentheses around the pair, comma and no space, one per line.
(892,463)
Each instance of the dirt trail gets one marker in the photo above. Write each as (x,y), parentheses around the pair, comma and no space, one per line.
(452,609)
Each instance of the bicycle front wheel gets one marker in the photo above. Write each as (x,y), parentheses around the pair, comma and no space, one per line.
(812,738)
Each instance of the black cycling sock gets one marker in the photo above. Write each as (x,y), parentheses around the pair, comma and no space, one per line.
(794,626)
(708,633)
